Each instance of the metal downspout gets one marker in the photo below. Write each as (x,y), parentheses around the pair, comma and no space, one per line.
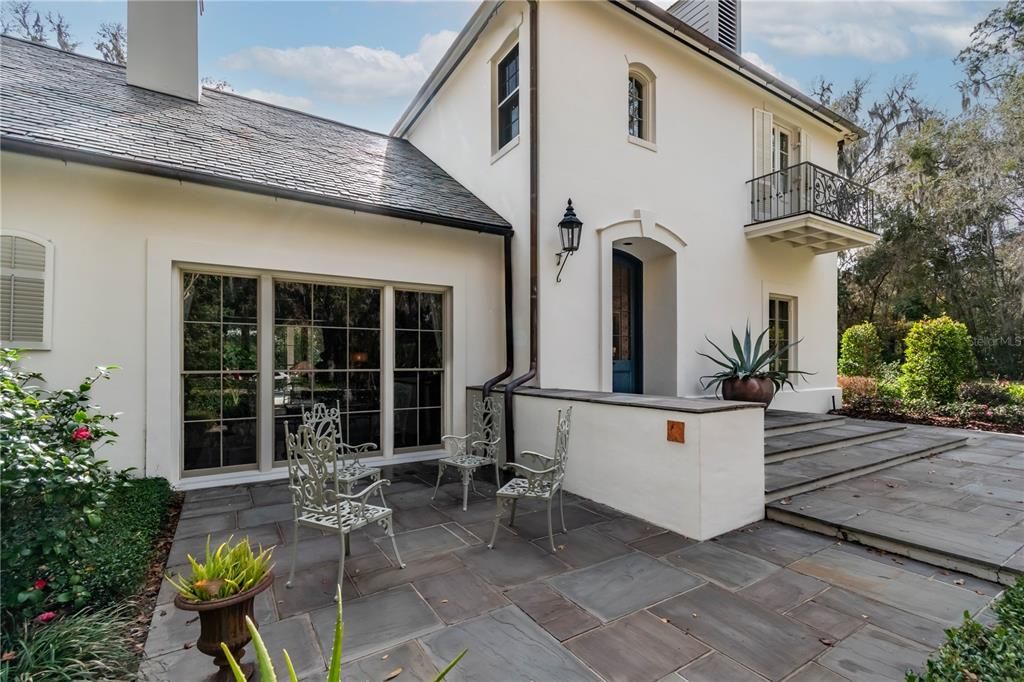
(510,387)
(509,323)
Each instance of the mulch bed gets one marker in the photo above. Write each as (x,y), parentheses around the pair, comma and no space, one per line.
(145,600)
(948,422)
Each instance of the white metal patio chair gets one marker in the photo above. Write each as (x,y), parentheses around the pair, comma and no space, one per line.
(478,448)
(317,505)
(540,484)
(348,469)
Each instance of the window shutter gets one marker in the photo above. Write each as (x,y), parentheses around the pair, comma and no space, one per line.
(762,143)
(22,290)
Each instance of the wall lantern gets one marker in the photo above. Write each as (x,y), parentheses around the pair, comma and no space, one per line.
(569,229)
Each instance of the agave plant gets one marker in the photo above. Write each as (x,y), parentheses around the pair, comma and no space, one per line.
(749,362)
(225,572)
(266,666)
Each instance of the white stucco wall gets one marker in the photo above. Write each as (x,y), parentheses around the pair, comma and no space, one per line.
(117,237)
(619,456)
(689,197)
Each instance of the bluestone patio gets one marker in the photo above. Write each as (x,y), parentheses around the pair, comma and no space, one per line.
(621,599)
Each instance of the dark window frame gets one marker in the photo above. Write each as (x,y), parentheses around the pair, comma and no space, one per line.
(507,94)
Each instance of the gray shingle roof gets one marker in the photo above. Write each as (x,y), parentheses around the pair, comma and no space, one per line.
(78,108)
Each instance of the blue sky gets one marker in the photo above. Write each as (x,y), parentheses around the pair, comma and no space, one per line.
(360,62)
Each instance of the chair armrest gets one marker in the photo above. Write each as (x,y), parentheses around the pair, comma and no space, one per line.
(363,447)
(486,443)
(362,494)
(530,473)
(456,438)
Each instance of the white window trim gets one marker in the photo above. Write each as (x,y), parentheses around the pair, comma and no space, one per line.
(511,42)
(266,468)
(47,342)
(643,73)
(794,321)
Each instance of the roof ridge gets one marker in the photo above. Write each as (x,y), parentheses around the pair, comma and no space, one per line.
(122,67)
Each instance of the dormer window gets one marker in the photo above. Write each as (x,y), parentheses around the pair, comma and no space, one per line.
(640,105)
(508,98)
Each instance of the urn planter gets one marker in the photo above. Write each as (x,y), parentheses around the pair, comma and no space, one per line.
(751,390)
(223,620)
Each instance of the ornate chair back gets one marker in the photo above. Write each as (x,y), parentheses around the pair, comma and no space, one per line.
(310,465)
(487,425)
(561,452)
(323,419)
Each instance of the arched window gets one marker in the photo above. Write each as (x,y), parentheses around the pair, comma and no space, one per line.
(640,103)
(26,289)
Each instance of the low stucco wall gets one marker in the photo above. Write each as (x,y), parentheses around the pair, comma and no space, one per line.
(619,455)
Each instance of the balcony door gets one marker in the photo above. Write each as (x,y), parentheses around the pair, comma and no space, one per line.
(627,325)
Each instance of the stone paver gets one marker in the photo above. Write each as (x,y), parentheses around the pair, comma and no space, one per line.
(623,585)
(597,607)
(504,645)
(637,647)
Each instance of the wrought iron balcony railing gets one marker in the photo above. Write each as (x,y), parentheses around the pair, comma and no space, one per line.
(807,188)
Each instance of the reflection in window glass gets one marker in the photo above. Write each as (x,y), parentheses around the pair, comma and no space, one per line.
(327,349)
(419,368)
(220,385)
(780,329)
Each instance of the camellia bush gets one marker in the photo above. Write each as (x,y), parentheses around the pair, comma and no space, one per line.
(939,358)
(53,491)
(860,351)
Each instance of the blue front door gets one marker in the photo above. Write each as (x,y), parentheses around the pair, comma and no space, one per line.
(627,326)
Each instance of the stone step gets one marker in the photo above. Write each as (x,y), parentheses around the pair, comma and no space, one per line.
(967,551)
(782,422)
(803,474)
(788,446)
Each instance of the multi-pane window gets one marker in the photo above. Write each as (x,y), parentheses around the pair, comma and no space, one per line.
(419,368)
(327,350)
(781,312)
(635,110)
(220,383)
(23,281)
(508,97)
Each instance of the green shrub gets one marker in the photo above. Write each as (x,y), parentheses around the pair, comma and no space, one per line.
(224,572)
(985,393)
(1016,392)
(889,379)
(939,359)
(88,645)
(974,652)
(117,563)
(999,417)
(860,351)
(53,490)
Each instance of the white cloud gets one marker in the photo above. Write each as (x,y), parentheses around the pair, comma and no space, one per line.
(880,31)
(352,74)
(945,37)
(280,99)
(755,59)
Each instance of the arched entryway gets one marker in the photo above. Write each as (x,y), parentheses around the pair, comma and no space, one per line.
(627,322)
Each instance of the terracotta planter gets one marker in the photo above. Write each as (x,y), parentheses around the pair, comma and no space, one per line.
(223,620)
(752,390)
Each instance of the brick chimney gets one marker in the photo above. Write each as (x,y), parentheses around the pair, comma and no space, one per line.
(163,46)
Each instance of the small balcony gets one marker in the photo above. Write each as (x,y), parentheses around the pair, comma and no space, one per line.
(810,207)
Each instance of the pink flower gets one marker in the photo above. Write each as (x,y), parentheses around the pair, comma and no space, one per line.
(46,617)
(81,433)
(40,584)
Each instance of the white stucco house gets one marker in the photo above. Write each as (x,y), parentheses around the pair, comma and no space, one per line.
(239,260)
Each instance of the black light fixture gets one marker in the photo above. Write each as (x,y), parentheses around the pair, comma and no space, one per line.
(569,229)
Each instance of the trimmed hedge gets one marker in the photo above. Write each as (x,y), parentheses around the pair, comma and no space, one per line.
(117,564)
(939,359)
(860,351)
(1008,418)
(975,653)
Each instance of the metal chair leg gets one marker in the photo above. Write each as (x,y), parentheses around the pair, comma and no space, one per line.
(394,544)
(512,516)
(551,532)
(466,475)
(497,519)
(561,511)
(440,473)
(295,552)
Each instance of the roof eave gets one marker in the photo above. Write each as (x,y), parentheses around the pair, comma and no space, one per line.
(454,55)
(686,34)
(31,147)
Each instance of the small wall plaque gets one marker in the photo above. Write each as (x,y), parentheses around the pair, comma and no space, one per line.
(676,432)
